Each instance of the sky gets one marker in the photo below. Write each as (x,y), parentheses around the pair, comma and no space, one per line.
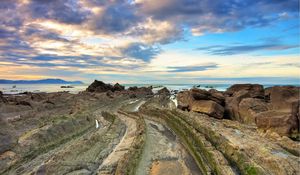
(151,41)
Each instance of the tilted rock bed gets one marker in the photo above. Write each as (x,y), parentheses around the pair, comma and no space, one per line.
(228,147)
(55,133)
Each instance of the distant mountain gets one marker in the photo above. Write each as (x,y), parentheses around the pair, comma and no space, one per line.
(43,81)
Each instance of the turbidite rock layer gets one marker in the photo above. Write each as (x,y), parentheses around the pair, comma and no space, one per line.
(131,131)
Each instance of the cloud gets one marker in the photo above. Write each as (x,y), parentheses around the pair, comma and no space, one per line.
(241,49)
(115,18)
(141,51)
(65,11)
(220,16)
(195,68)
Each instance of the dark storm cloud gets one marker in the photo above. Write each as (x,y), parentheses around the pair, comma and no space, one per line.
(192,68)
(141,51)
(240,49)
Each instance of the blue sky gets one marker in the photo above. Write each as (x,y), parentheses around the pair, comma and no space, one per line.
(149,41)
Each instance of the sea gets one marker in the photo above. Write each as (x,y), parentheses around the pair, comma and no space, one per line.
(36,88)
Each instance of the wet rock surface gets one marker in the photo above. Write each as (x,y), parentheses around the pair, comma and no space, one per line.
(245,130)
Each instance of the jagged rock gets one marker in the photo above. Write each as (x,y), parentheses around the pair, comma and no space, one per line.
(208,107)
(233,99)
(118,87)
(249,107)
(134,88)
(99,86)
(163,91)
(282,97)
(284,116)
(281,122)
(254,90)
(141,91)
(201,94)
(183,99)
(199,100)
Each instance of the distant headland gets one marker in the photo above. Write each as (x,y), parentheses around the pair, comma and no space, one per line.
(42,81)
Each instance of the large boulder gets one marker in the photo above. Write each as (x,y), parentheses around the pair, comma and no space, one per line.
(249,107)
(164,91)
(285,124)
(99,86)
(232,104)
(254,90)
(118,87)
(283,97)
(201,94)
(208,107)
(139,91)
(199,100)
(184,98)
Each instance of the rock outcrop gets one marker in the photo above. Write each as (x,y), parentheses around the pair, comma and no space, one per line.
(139,91)
(164,91)
(202,101)
(275,109)
(235,94)
(99,87)
(283,116)
(208,107)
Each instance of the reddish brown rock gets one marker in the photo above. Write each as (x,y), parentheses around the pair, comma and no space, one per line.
(184,98)
(254,90)
(249,107)
(282,97)
(285,124)
(208,107)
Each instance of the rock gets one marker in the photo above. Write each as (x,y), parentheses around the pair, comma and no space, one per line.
(254,90)
(285,124)
(232,103)
(7,138)
(249,107)
(118,87)
(282,97)
(24,103)
(141,91)
(208,107)
(2,99)
(201,94)
(184,98)
(164,91)
(134,88)
(99,86)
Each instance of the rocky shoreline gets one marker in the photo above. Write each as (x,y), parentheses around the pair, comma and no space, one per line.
(244,130)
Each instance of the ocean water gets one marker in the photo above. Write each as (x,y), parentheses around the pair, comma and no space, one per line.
(19,88)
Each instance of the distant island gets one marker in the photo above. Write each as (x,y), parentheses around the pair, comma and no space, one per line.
(42,81)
